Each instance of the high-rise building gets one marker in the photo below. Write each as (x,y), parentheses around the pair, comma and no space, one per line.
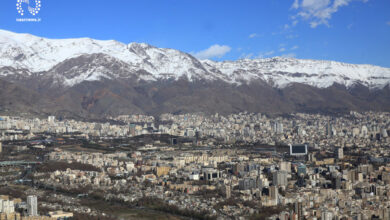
(132,129)
(337,181)
(51,119)
(274,193)
(280,178)
(365,168)
(228,191)
(7,206)
(340,153)
(364,131)
(328,129)
(326,215)
(355,132)
(247,183)
(190,132)
(301,169)
(299,210)
(277,127)
(311,157)
(32,205)
(384,133)
(285,166)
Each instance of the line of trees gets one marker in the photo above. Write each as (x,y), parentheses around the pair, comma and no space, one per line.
(52,166)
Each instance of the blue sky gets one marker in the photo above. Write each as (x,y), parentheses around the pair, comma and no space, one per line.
(354,31)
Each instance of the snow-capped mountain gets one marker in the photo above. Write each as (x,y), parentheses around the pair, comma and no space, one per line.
(72,61)
(93,78)
(25,51)
(281,72)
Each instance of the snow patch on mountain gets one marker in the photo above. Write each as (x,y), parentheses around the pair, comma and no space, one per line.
(284,71)
(36,54)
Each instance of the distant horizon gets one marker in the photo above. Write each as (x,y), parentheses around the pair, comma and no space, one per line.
(348,31)
(232,60)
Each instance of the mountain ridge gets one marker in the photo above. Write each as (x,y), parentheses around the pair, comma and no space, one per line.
(38,54)
(86,78)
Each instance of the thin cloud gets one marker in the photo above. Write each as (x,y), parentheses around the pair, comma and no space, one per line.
(292,36)
(266,54)
(295,4)
(214,51)
(254,35)
(246,56)
(282,49)
(388,23)
(289,55)
(318,12)
(294,47)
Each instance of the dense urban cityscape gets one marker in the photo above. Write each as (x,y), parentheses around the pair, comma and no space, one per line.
(199,166)
(195,110)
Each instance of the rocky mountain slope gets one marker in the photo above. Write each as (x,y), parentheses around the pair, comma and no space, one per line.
(93,78)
